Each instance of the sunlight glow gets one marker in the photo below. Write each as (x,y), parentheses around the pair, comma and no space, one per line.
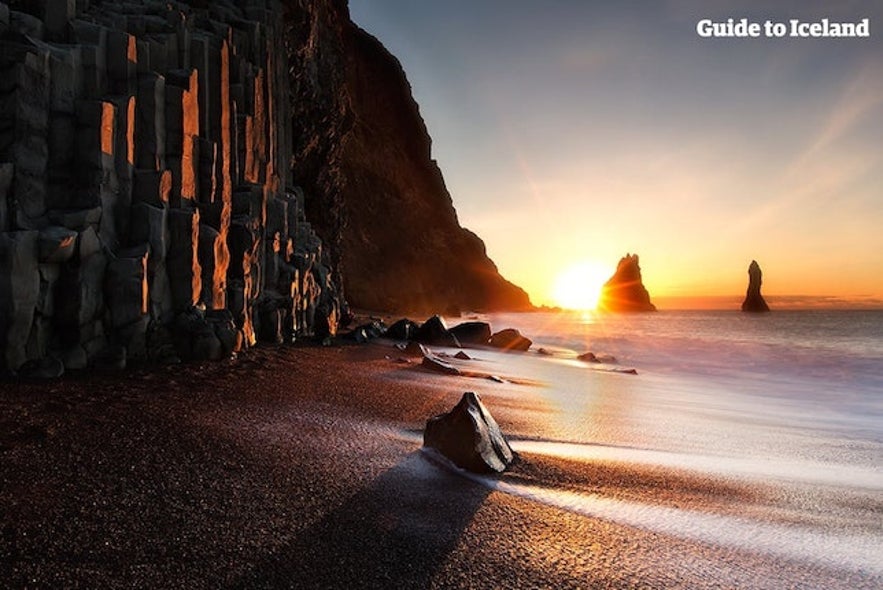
(579,286)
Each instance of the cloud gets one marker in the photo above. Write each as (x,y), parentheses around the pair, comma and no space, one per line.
(860,100)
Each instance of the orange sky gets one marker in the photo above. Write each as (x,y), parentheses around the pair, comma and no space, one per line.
(576,132)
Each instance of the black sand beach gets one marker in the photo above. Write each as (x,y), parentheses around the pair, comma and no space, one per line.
(301,468)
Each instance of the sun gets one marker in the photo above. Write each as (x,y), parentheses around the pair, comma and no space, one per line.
(579,286)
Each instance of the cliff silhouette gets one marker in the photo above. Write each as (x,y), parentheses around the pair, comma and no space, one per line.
(374,193)
(754,301)
(625,290)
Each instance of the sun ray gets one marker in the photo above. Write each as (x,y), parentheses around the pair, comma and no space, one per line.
(579,286)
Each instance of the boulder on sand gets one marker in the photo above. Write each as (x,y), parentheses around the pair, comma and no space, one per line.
(470,437)
(404,329)
(433,363)
(435,332)
(510,339)
(472,332)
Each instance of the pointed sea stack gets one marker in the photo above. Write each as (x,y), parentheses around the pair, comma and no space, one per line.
(754,301)
(625,291)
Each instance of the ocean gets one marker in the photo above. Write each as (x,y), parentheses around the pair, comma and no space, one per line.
(785,406)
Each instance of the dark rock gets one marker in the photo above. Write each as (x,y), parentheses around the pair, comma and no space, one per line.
(373,329)
(45,368)
(327,315)
(625,290)
(221,321)
(159,343)
(19,294)
(207,346)
(510,339)
(404,329)
(434,331)
(433,363)
(195,337)
(544,352)
(112,357)
(462,356)
(157,179)
(269,328)
(365,332)
(469,436)
(74,358)
(588,357)
(57,244)
(754,301)
(414,349)
(472,332)
(399,218)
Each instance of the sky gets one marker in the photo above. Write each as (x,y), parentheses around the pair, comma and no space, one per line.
(573,132)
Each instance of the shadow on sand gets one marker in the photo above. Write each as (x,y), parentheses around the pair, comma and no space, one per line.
(396,532)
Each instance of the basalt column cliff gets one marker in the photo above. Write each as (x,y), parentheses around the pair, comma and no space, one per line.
(146,205)
(377,197)
(152,154)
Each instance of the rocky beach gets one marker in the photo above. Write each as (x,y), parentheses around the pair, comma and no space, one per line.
(195,196)
(303,467)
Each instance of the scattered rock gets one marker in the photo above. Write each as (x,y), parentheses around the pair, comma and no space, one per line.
(754,301)
(470,437)
(434,363)
(404,329)
(588,357)
(462,356)
(434,331)
(472,332)
(414,349)
(369,331)
(510,339)
(496,379)
(544,352)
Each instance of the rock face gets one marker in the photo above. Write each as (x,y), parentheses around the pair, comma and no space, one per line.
(754,301)
(147,209)
(469,436)
(625,291)
(377,197)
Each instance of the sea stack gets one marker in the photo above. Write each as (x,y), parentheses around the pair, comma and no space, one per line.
(625,290)
(754,301)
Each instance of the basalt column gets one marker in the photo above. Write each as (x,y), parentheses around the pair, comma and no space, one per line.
(145,207)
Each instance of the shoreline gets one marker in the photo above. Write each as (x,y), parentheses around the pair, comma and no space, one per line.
(301,467)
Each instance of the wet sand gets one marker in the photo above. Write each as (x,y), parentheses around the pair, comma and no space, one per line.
(301,468)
